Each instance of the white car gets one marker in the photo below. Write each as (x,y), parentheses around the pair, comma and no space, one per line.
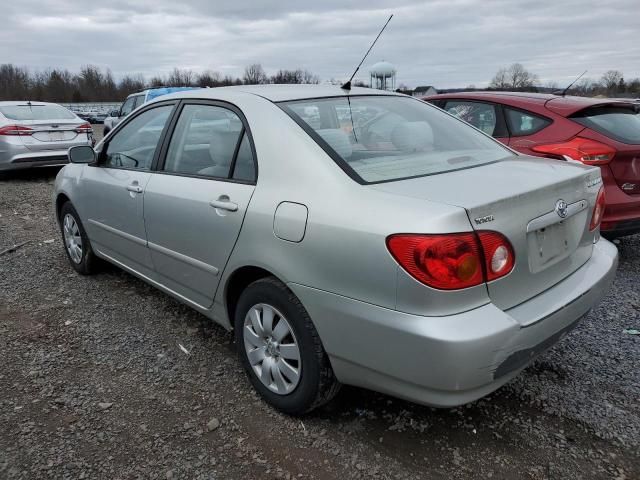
(133,101)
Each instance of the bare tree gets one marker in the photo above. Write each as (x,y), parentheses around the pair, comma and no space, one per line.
(499,80)
(156,81)
(254,75)
(179,78)
(513,77)
(294,76)
(208,79)
(611,80)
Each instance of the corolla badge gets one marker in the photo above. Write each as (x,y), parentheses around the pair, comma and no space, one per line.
(561,208)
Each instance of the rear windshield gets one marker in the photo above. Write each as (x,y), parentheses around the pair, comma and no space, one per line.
(619,123)
(385,138)
(36,112)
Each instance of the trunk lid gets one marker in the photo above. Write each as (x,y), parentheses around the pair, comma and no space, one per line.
(616,125)
(518,198)
(52,134)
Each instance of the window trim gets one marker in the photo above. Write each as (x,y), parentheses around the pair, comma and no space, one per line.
(158,165)
(501,121)
(129,118)
(526,112)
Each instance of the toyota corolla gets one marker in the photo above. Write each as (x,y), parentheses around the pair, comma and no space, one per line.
(346,236)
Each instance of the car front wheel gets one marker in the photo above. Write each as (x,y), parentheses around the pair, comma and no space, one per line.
(76,242)
(281,350)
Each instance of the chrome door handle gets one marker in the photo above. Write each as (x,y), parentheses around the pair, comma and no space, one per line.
(224,205)
(134,188)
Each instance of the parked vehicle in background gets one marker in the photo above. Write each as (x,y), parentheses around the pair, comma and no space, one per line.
(134,100)
(35,134)
(593,131)
(261,207)
(97,117)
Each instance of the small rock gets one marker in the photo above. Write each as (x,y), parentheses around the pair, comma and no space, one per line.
(213,424)
(105,405)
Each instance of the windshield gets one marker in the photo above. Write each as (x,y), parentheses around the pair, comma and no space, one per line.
(384,138)
(621,123)
(36,112)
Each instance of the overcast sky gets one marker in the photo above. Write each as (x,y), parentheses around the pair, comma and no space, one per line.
(453,43)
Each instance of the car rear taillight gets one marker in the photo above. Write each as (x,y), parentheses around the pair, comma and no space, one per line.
(453,261)
(581,149)
(498,254)
(84,128)
(15,130)
(598,210)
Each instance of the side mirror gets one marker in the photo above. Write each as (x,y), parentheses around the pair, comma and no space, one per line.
(81,154)
(114,113)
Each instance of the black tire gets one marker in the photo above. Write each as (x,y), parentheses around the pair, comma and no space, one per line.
(317,384)
(89,263)
(105,131)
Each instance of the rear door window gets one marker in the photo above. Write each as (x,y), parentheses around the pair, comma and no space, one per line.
(204,142)
(524,123)
(483,116)
(620,123)
(245,166)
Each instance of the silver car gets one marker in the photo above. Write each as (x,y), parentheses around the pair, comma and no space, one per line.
(38,134)
(395,248)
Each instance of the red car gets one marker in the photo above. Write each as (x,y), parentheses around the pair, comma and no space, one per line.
(593,131)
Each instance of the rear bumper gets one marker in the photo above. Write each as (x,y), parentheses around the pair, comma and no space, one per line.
(31,159)
(451,360)
(622,213)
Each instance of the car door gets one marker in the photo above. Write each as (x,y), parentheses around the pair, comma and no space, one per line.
(485,116)
(195,201)
(113,189)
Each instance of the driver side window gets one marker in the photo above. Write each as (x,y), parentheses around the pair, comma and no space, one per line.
(134,145)
(127,106)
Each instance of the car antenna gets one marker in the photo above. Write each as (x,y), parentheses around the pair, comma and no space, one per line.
(564,92)
(347,85)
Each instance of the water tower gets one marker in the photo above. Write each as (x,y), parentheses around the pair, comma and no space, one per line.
(383,76)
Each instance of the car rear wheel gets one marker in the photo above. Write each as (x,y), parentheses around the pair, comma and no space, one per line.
(76,242)
(281,350)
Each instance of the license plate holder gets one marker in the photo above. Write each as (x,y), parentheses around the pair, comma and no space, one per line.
(56,136)
(550,243)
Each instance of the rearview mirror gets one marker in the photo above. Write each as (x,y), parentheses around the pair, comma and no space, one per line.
(81,154)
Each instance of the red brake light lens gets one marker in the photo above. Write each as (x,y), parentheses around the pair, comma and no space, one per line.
(598,210)
(15,130)
(581,149)
(446,262)
(453,261)
(499,258)
(84,128)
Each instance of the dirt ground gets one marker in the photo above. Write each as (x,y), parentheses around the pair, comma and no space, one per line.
(94,384)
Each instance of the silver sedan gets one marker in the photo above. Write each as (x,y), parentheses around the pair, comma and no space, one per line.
(38,134)
(347,237)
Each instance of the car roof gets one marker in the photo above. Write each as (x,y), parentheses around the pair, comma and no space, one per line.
(279,93)
(562,105)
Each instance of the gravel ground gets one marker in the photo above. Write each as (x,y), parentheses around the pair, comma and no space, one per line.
(94,384)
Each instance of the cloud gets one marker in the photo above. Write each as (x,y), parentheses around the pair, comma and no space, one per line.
(442,43)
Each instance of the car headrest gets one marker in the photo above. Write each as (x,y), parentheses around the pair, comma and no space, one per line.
(338,140)
(222,147)
(412,136)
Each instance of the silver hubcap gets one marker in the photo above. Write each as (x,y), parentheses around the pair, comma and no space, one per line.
(272,348)
(72,238)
